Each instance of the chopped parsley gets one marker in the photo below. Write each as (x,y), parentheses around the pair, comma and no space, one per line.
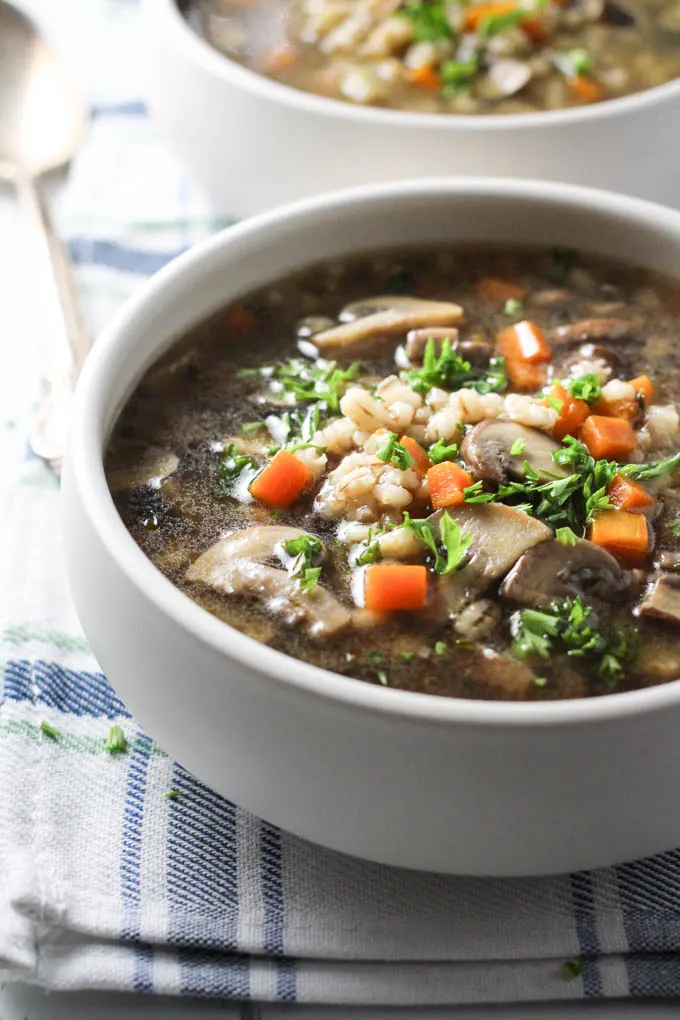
(391,451)
(307,551)
(449,370)
(674,528)
(456,75)
(641,472)
(586,387)
(518,447)
(232,466)
(440,452)
(116,742)
(172,795)
(570,626)
(566,536)
(573,968)
(371,552)
(493,24)
(429,20)
(540,681)
(576,62)
(252,426)
(441,648)
(49,730)
(555,403)
(513,307)
(312,381)
(406,656)
(449,547)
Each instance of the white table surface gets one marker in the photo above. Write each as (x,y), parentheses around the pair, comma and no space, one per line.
(22,1003)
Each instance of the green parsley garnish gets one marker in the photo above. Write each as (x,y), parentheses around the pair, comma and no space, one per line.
(451,371)
(566,536)
(518,447)
(496,23)
(570,626)
(49,730)
(456,75)
(555,403)
(540,681)
(513,307)
(307,551)
(406,656)
(252,426)
(441,648)
(382,677)
(440,452)
(576,62)
(449,547)
(641,472)
(429,20)
(172,795)
(573,968)
(313,381)
(674,528)
(391,451)
(116,742)
(586,387)
(232,465)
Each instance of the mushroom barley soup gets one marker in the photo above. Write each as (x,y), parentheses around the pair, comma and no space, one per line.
(452,56)
(450,471)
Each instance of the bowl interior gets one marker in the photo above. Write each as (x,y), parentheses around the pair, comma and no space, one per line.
(275,244)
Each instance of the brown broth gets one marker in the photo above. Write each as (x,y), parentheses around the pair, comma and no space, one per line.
(195,400)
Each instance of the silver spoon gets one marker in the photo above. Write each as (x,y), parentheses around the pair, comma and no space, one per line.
(42,120)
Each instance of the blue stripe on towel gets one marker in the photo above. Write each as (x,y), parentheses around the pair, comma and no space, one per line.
(272,891)
(214,976)
(93,251)
(654,976)
(132,108)
(131,861)
(649,893)
(589,945)
(78,693)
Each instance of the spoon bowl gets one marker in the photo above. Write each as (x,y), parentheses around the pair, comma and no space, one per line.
(42,117)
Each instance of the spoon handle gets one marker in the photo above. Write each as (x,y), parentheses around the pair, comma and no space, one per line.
(64,343)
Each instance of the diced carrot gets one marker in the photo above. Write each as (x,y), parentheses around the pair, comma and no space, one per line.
(240,319)
(497,291)
(426,78)
(643,384)
(607,438)
(421,461)
(536,30)
(628,409)
(625,494)
(586,89)
(525,342)
(624,535)
(282,481)
(480,12)
(447,481)
(280,59)
(524,375)
(573,414)
(391,586)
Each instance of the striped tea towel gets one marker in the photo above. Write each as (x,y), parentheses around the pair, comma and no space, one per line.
(122,871)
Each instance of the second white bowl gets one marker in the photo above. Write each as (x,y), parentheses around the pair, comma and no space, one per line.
(255,143)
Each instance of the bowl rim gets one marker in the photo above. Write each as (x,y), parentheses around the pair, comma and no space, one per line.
(85,470)
(221,66)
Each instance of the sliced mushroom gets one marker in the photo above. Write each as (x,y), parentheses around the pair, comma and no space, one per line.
(508,77)
(500,534)
(500,672)
(553,298)
(555,571)
(152,469)
(662,599)
(234,566)
(383,316)
(595,330)
(486,448)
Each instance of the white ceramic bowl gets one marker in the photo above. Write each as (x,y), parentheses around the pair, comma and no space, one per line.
(409,779)
(255,143)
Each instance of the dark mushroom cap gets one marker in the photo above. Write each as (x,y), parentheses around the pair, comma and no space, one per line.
(486,448)
(554,571)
